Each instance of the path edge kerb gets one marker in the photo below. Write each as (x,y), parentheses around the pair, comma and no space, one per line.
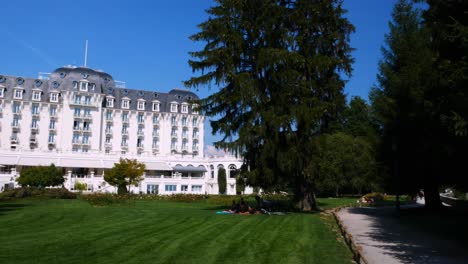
(353,246)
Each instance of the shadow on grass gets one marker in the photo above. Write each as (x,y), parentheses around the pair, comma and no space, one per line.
(6,207)
(416,235)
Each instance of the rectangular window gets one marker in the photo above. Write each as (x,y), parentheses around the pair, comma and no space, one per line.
(139,143)
(125,116)
(51,138)
(174,108)
(86,126)
(34,123)
(53,110)
(155,132)
(184,108)
(196,188)
(109,115)
(83,86)
(156,107)
(195,109)
(36,96)
(108,128)
(76,125)
(87,100)
(85,139)
(173,121)
(124,142)
(18,94)
(170,188)
(76,138)
(152,189)
(35,109)
(108,139)
(184,188)
(155,119)
(2,92)
(16,107)
(124,129)
(110,102)
(76,112)
(87,112)
(184,121)
(141,118)
(125,104)
(54,97)
(15,122)
(141,105)
(155,142)
(52,124)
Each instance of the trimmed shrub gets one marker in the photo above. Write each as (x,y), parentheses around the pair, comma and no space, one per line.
(52,193)
(222,182)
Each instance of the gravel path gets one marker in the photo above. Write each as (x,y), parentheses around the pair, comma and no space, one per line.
(385,240)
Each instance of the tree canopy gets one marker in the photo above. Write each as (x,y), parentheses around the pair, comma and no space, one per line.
(41,176)
(125,173)
(279,68)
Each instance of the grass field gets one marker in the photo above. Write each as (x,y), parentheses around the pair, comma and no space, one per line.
(73,231)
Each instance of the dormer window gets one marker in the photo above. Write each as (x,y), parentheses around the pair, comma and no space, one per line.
(54,97)
(2,92)
(36,96)
(125,103)
(75,85)
(195,109)
(141,105)
(18,94)
(156,106)
(110,102)
(184,108)
(92,86)
(174,107)
(83,86)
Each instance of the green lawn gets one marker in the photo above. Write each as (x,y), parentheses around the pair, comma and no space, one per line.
(72,231)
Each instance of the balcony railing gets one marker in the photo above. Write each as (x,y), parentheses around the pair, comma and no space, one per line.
(15,126)
(155,134)
(124,132)
(141,133)
(14,140)
(174,148)
(109,131)
(174,136)
(124,120)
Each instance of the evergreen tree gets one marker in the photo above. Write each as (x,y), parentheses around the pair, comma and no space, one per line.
(448,25)
(278,65)
(222,181)
(403,107)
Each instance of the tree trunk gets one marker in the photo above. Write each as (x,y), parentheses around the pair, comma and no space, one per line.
(431,196)
(306,199)
(122,189)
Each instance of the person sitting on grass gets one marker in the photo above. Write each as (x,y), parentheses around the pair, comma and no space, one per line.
(234,207)
(243,206)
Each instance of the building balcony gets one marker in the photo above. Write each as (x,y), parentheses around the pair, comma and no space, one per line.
(155,148)
(17,113)
(52,128)
(185,137)
(15,126)
(141,133)
(76,142)
(76,129)
(125,132)
(86,130)
(174,148)
(34,128)
(140,147)
(141,122)
(51,143)
(108,131)
(14,140)
(174,136)
(108,144)
(32,141)
(36,114)
(124,145)
(155,134)
(184,149)
(195,149)
(125,120)
(86,143)
(87,116)
(109,120)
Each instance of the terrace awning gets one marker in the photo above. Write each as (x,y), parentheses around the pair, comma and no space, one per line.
(80,163)
(189,169)
(157,166)
(8,160)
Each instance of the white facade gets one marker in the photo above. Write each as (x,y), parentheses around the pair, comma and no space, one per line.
(80,120)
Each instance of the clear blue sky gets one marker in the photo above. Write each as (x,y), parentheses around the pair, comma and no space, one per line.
(145,43)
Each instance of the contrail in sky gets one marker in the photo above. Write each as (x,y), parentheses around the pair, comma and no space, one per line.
(39,53)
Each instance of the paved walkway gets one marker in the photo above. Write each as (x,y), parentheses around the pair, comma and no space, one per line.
(384,240)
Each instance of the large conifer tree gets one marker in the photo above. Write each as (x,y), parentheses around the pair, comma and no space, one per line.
(278,67)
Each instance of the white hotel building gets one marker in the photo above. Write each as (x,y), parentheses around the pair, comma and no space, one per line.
(83,121)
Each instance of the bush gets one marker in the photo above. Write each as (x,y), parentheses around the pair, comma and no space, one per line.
(103,199)
(52,193)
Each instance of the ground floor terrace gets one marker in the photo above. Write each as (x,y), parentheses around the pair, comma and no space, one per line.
(166,175)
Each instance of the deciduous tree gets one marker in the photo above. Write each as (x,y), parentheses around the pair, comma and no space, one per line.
(125,173)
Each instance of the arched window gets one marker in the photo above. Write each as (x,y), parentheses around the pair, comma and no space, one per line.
(232,171)
(212,171)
